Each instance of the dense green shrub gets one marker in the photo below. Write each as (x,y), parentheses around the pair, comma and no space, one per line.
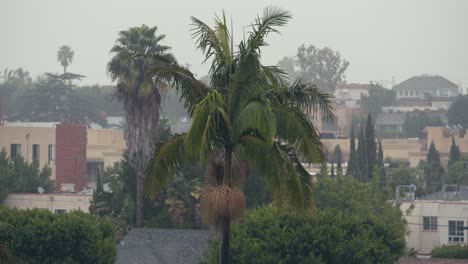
(450,251)
(271,235)
(38,236)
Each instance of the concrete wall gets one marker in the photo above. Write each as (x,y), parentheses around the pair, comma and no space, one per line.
(43,136)
(423,241)
(105,145)
(49,201)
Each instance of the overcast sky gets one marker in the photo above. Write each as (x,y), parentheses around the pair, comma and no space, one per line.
(380,39)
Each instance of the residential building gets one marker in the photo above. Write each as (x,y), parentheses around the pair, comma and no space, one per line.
(426,91)
(437,219)
(389,124)
(350,94)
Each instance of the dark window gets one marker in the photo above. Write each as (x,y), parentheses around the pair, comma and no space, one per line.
(456,232)
(36,151)
(51,154)
(60,211)
(93,168)
(15,151)
(430,222)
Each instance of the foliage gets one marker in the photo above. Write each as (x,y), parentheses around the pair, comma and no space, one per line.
(417,120)
(102,97)
(400,173)
(248,113)
(353,163)
(362,156)
(381,165)
(433,170)
(20,176)
(457,173)
(272,235)
(370,146)
(338,158)
(456,114)
(450,252)
(454,154)
(65,56)
(38,236)
(137,50)
(377,98)
(55,100)
(320,66)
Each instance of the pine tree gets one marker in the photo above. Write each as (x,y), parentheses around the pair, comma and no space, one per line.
(338,156)
(363,176)
(323,169)
(370,146)
(454,152)
(381,165)
(433,170)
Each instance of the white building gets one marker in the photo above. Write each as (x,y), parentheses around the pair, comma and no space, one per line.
(350,94)
(437,219)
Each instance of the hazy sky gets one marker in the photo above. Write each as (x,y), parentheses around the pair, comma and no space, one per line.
(381,39)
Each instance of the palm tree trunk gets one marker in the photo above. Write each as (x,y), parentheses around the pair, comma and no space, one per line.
(226,222)
(224,254)
(139,199)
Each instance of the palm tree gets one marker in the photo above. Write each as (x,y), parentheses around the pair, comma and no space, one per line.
(136,51)
(249,112)
(65,56)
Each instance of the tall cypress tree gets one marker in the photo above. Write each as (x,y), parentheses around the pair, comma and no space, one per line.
(362,156)
(433,170)
(338,157)
(332,170)
(353,168)
(381,165)
(371,146)
(454,152)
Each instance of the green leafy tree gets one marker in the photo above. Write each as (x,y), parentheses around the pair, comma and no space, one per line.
(56,100)
(456,113)
(454,154)
(65,56)
(400,173)
(457,173)
(378,97)
(338,158)
(320,66)
(248,112)
(38,236)
(417,120)
(137,50)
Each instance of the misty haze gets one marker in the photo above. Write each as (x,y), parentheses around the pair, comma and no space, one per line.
(224,132)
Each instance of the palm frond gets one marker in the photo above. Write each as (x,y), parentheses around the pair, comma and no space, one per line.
(208,119)
(166,161)
(296,128)
(273,17)
(308,98)
(191,90)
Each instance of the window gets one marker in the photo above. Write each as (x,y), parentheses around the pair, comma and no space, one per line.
(15,151)
(406,93)
(400,93)
(456,232)
(430,223)
(51,154)
(35,150)
(417,93)
(443,93)
(60,211)
(411,93)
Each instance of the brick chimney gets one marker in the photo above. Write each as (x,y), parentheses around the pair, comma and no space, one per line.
(70,169)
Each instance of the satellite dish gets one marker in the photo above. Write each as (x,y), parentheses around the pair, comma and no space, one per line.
(40,190)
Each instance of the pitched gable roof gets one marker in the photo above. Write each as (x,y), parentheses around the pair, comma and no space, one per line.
(425,82)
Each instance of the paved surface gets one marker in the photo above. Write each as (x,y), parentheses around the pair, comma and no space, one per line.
(163,246)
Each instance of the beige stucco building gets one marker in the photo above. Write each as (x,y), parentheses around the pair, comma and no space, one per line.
(36,142)
(438,219)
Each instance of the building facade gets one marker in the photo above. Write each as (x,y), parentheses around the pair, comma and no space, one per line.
(437,219)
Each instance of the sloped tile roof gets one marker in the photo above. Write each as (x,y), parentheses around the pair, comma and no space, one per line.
(425,82)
